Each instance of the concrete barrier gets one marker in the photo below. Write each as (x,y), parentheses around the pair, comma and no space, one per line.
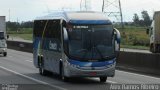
(21,46)
(141,62)
(140,59)
(132,61)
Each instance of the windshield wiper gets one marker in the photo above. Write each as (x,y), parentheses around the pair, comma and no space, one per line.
(85,53)
(100,53)
(104,57)
(110,57)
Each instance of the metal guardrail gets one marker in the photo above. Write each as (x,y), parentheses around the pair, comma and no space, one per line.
(21,46)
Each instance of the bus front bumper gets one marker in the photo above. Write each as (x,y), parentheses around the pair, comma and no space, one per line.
(108,71)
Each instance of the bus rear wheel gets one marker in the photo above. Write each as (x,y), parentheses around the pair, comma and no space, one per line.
(103,79)
(65,79)
(43,71)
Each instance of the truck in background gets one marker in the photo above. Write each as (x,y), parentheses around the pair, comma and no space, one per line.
(154,33)
(3,44)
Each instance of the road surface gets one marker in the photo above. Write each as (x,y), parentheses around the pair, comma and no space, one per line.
(17,68)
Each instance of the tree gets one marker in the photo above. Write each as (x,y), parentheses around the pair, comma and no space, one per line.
(136,19)
(28,24)
(13,26)
(146,19)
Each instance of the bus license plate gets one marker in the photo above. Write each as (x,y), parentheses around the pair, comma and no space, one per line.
(93,73)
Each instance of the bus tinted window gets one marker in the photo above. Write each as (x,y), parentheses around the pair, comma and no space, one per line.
(53,29)
(2,35)
(39,27)
(50,28)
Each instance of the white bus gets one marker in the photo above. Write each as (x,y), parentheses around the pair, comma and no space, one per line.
(75,44)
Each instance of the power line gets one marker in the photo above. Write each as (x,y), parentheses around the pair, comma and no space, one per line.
(9,11)
(112,8)
(85,5)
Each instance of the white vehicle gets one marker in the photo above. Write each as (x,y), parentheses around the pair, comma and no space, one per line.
(154,33)
(3,44)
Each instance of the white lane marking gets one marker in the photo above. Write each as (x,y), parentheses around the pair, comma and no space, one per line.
(138,74)
(10,56)
(33,79)
(29,60)
(25,60)
(111,82)
(108,81)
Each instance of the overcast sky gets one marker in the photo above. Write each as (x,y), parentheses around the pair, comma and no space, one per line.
(25,10)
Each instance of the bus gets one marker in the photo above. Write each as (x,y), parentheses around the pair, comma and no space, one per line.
(75,44)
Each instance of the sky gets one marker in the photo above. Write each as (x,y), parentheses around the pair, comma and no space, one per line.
(28,10)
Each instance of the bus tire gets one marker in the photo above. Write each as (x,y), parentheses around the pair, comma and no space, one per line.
(103,79)
(64,78)
(5,54)
(42,71)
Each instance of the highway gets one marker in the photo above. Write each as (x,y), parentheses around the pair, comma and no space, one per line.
(17,68)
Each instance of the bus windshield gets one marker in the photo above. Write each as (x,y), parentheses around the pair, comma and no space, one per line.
(91,42)
(1,35)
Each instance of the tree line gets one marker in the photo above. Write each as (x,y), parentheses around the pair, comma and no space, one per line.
(16,25)
(144,21)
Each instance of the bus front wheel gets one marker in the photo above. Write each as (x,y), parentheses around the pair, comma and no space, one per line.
(5,54)
(103,79)
(42,71)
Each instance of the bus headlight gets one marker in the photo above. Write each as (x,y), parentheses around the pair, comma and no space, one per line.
(76,66)
(110,64)
(73,65)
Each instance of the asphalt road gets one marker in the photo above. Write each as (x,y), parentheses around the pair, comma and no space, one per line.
(17,68)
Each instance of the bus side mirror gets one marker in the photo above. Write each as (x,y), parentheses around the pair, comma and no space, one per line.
(117,41)
(117,37)
(65,39)
(65,34)
(147,31)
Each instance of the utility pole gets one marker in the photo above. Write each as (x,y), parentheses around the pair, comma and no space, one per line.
(112,8)
(9,11)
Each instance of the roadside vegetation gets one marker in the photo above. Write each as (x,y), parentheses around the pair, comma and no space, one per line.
(134,37)
(23,33)
(134,33)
